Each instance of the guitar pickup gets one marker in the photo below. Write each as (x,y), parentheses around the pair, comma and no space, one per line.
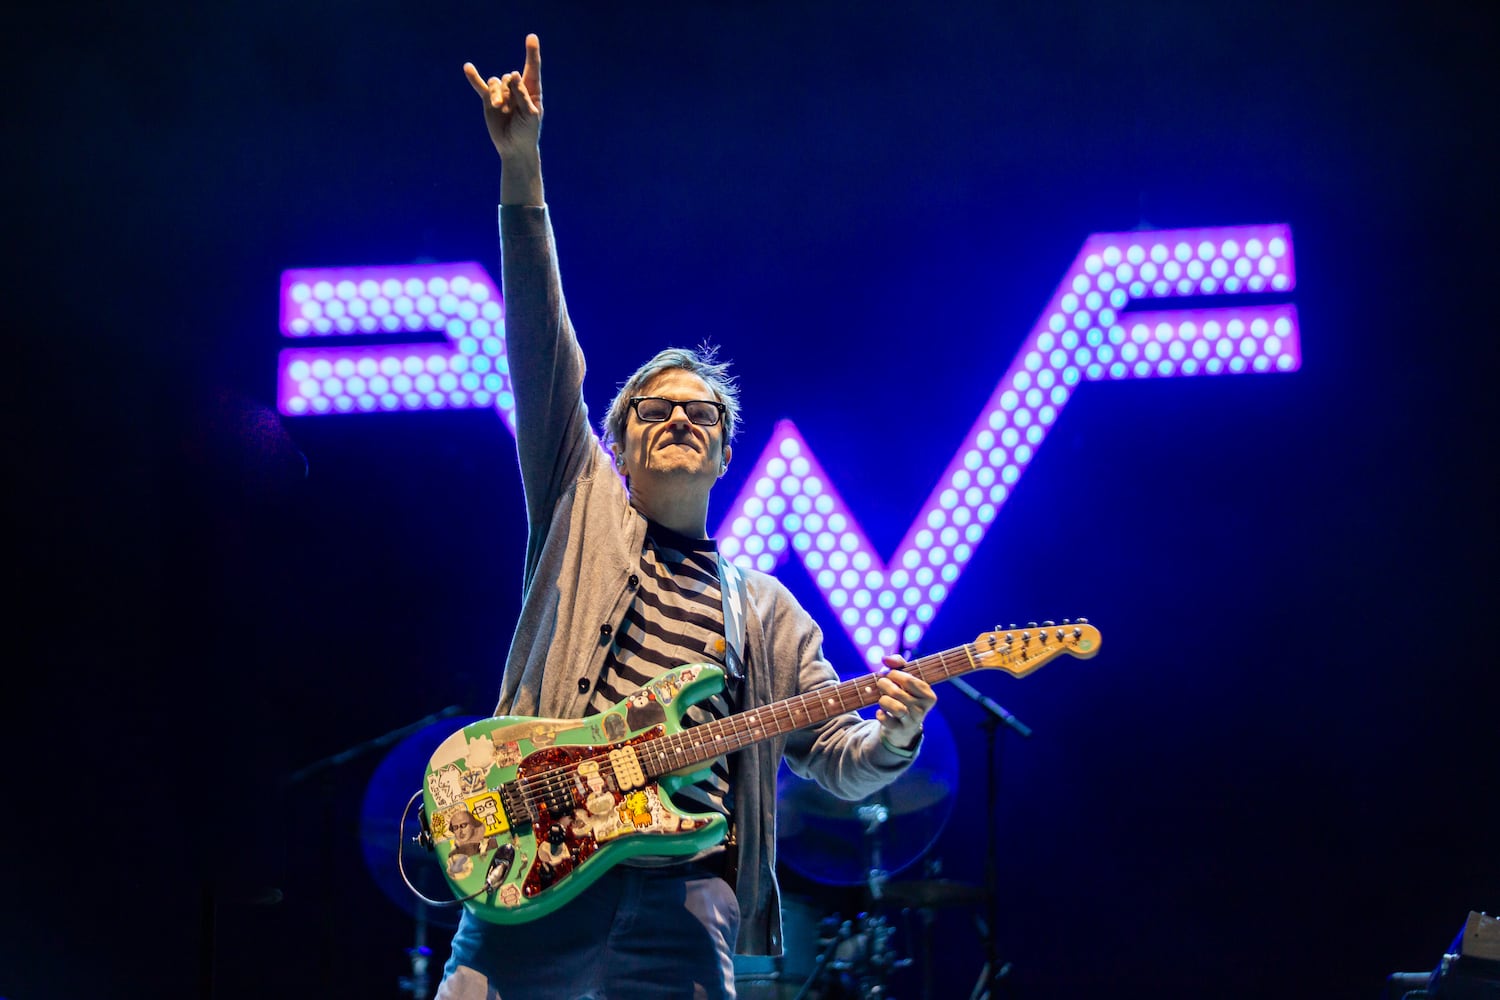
(627,766)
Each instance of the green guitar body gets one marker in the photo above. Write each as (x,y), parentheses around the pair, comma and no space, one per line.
(526,813)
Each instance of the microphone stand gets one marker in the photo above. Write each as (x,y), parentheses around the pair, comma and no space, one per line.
(359,749)
(418,984)
(990,978)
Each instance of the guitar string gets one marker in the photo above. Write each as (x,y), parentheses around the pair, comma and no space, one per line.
(726,734)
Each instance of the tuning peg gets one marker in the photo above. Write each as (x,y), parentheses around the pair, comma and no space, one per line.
(1031,624)
(1083,621)
(1048,624)
(1067,621)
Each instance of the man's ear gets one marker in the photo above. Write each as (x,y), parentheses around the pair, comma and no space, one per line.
(724,462)
(619,456)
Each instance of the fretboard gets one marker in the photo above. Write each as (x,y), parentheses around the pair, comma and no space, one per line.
(714,739)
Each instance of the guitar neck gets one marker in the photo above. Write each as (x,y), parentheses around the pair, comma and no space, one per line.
(693,746)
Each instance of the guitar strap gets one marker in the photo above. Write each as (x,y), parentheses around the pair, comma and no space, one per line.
(732,587)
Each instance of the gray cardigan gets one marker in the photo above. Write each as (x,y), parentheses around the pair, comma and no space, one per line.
(584,541)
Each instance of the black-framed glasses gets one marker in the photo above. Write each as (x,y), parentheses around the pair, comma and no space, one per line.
(658,409)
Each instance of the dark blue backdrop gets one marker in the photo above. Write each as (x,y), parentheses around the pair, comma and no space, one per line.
(1275,780)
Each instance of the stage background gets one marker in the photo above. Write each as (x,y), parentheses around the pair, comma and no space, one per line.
(1276,779)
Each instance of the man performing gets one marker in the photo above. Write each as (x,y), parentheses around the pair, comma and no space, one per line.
(622,583)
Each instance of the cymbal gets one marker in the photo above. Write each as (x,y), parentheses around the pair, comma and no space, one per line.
(839,842)
(916,790)
(932,894)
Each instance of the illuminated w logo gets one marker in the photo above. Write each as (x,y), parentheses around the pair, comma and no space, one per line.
(788,505)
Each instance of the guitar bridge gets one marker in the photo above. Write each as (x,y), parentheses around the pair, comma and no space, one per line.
(513,801)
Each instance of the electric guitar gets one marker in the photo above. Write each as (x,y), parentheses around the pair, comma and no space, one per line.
(523,814)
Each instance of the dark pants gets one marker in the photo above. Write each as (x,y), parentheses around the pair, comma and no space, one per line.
(637,932)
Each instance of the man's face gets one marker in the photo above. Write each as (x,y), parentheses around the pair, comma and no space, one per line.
(675,449)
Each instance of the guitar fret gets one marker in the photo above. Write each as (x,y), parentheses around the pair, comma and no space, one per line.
(702,743)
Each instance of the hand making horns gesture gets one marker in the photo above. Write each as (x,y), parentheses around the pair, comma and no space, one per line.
(513,103)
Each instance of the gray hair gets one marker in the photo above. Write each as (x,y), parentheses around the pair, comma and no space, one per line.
(699,362)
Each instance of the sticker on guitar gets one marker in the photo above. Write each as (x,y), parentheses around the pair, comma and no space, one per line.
(525,813)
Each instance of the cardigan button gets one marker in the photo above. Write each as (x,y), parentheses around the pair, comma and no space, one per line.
(634,581)
(605,630)
(583,685)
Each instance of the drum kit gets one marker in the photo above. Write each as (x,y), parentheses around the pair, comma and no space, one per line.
(861,918)
(897,827)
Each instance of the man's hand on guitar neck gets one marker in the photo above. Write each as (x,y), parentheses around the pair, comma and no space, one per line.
(904,701)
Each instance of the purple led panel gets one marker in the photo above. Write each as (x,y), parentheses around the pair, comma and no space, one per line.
(1083,334)
(459,300)
(788,504)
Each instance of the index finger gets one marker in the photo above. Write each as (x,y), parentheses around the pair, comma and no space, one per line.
(911,683)
(475,80)
(532,74)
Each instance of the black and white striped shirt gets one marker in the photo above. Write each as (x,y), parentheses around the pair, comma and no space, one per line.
(676,617)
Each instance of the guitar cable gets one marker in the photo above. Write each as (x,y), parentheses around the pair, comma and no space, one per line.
(499,865)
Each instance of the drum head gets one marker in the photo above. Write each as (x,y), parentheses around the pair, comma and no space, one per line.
(395,780)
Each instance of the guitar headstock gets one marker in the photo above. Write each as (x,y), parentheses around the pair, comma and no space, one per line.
(1019,650)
